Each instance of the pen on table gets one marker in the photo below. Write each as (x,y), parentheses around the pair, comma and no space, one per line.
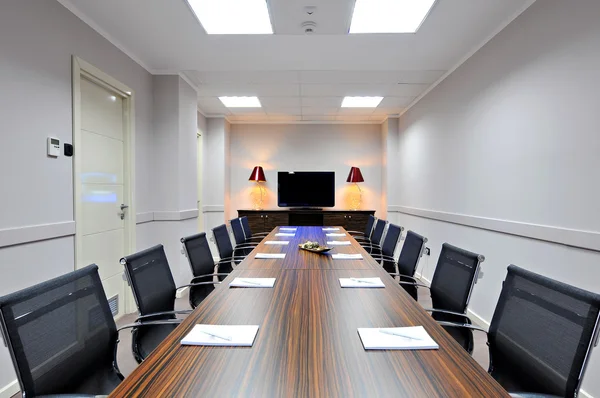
(361,281)
(216,335)
(384,331)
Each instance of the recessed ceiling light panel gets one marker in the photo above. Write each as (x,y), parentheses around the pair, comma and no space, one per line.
(361,102)
(233,17)
(389,16)
(241,102)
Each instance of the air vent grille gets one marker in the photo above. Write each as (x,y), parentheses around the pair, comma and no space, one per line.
(113,303)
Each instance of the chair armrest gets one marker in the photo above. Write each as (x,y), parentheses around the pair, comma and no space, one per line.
(229,259)
(404,276)
(163,313)
(259,238)
(260,234)
(531,395)
(413,284)
(462,325)
(449,312)
(70,396)
(245,246)
(356,232)
(199,284)
(150,323)
(207,275)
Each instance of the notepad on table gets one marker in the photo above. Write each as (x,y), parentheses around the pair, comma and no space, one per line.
(361,282)
(252,282)
(277,242)
(285,234)
(331,229)
(344,256)
(335,234)
(269,255)
(221,335)
(287,229)
(407,338)
(339,243)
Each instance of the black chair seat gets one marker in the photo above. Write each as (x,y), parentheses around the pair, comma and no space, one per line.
(199,293)
(101,381)
(146,338)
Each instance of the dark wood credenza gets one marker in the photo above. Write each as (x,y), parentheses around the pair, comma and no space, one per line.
(266,220)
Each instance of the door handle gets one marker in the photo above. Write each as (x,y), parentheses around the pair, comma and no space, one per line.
(122,213)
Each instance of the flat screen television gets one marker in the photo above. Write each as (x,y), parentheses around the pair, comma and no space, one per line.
(306,189)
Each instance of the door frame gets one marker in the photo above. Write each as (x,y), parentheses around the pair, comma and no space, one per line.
(82,69)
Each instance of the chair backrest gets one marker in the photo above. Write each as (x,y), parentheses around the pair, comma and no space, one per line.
(411,253)
(223,241)
(543,332)
(198,253)
(59,332)
(246,227)
(369,226)
(238,231)
(455,275)
(378,231)
(390,242)
(151,281)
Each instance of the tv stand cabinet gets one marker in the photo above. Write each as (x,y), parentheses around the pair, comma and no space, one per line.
(265,220)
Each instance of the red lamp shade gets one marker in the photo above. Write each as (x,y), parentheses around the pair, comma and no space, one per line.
(258,175)
(355,175)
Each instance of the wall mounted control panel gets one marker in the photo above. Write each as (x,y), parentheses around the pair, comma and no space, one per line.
(53,147)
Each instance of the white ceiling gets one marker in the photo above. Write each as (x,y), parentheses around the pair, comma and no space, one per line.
(299,77)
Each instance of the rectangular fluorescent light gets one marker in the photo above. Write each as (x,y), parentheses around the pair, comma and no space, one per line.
(241,102)
(389,16)
(361,102)
(233,17)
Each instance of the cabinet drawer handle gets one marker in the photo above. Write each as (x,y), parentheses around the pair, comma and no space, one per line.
(350,217)
(266,216)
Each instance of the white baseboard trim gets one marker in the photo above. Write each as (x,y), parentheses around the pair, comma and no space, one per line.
(589,240)
(10,389)
(213,209)
(34,233)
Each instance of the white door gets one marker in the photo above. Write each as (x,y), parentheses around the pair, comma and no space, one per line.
(102,187)
(200,213)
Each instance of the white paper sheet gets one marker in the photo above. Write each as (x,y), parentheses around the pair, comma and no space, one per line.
(269,255)
(285,234)
(335,234)
(221,335)
(344,256)
(361,282)
(339,243)
(407,338)
(252,282)
(277,242)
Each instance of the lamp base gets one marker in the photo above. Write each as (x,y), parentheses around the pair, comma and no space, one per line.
(356,199)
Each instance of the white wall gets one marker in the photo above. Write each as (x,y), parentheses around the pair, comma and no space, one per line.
(37,39)
(306,147)
(509,143)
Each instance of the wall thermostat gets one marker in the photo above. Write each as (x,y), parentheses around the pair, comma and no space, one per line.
(53,147)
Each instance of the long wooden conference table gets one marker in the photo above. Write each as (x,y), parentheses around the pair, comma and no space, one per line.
(307,344)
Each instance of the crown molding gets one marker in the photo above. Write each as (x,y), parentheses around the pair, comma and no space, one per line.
(368,122)
(464,59)
(88,21)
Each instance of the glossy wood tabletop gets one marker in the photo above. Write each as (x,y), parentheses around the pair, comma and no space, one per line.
(307,344)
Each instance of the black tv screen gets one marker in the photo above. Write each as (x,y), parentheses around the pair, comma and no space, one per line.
(306,189)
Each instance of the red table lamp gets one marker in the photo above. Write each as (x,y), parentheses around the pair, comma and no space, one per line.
(355,177)
(258,176)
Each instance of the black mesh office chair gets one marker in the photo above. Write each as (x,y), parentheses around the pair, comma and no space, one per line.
(541,335)
(226,253)
(248,231)
(243,247)
(154,290)
(388,248)
(408,261)
(198,253)
(366,234)
(373,245)
(456,273)
(62,337)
